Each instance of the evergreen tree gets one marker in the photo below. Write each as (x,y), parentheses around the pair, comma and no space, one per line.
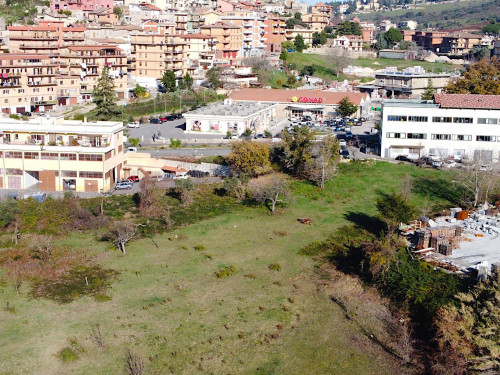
(283,55)
(168,81)
(429,91)
(299,43)
(104,97)
(213,76)
(188,81)
(323,38)
(346,107)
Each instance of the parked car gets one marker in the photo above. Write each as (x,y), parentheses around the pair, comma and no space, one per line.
(28,114)
(358,123)
(163,119)
(132,149)
(404,158)
(134,178)
(183,177)
(348,134)
(123,186)
(345,154)
(70,184)
(342,142)
(155,121)
(132,125)
(347,128)
(158,178)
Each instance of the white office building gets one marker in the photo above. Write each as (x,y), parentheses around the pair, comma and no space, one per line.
(452,126)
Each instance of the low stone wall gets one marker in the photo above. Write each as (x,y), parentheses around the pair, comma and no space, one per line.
(337,51)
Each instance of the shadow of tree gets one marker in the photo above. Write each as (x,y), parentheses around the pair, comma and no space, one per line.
(438,187)
(366,222)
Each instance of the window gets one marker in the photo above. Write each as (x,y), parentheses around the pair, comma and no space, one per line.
(31,155)
(13,155)
(69,174)
(50,156)
(107,155)
(488,121)
(418,118)
(462,120)
(417,136)
(14,172)
(396,135)
(120,148)
(65,156)
(441,137)
(91,174)
(396,118)
(485,138)
(462,137)
(90,157)
(441,119)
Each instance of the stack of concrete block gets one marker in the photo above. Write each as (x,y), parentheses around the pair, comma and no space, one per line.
(445,249)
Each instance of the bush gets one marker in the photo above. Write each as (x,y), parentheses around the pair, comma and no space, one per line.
(274,267)
(67,354)
(225,271)
(80,281)
(199,247)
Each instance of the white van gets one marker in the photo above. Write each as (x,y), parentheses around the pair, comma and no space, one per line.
(132,149)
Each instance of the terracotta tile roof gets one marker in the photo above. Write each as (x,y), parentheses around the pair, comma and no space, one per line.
(22,56)
(468,101)
(219,25)
(149,6)
(31,28)
(283,96)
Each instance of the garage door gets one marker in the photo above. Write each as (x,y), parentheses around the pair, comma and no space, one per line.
(91,186)
(47,180)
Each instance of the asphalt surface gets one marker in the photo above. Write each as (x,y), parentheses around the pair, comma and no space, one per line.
(189,151)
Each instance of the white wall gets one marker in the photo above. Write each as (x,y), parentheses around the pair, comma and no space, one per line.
(443,148)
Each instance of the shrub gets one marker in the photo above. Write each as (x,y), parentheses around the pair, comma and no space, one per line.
(67,354)
(134,363)
(199,247)
(80,281)
(274,267)
(225,271)
(101,297)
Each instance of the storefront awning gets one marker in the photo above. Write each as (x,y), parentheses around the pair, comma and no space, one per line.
(306,107)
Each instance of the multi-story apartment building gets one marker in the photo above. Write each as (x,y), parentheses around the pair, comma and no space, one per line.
(53,154)
(45,38)
(307,34)
(367,31)
(459,44)
(27,82)
(411,82)
(275,29)
(429,40)
(152,54)
(252,26)
(455,126)
(200,50)
(88,62)
(322,8)
(82,5)
(229,39)
(159,27)
(316,21)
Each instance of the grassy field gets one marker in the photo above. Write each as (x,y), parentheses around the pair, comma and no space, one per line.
(168,306)
(442,15)
(324,66)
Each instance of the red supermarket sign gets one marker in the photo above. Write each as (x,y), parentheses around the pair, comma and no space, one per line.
(305,99)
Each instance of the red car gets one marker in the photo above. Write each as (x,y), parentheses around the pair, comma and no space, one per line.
(163,119)
(134,178)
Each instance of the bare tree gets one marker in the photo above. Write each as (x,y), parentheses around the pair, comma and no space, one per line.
(185,190)
(96,335)
(269,190)
(152,203)
(134,363)
(338,58)
(121,233)
(324,160)
(479,181)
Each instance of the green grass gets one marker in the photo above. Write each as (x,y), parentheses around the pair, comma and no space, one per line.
(324,66)
(442,15)
(169,307)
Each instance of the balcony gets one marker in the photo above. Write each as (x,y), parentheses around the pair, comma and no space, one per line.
(41,83)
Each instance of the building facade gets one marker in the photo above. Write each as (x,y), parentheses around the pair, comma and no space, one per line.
(454,126)
(229,39)
(53,154)
(252,26)
(275,29)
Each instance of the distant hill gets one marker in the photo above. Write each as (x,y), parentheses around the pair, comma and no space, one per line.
(449,15)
